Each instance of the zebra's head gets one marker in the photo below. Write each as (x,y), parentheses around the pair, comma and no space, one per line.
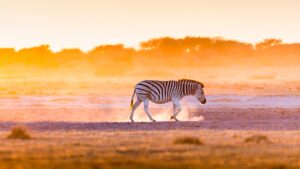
(200,93)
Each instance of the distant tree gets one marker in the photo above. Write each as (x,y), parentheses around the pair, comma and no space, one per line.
(111,59)
(166,45)
(74,58)
(70,53)
(40,56)
(156,54)
(268,43)
(7,56)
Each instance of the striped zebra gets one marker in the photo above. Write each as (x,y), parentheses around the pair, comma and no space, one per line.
(165,91)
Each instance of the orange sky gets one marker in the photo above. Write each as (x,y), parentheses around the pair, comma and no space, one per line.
(87,23)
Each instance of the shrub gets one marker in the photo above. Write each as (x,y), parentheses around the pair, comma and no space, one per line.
(257,139)
(19,132)
(188,140)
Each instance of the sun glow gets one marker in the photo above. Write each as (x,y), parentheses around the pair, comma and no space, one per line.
(86,24)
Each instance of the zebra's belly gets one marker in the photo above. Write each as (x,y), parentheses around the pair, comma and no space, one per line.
(159,101)
(154,99)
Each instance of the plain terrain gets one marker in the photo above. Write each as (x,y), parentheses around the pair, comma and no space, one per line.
(251,120)
(151,149)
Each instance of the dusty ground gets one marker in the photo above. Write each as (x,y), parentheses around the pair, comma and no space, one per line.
(151,145)
(151,149)
(70,122)
(196,119)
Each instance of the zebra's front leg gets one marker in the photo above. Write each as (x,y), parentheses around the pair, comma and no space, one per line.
(176,109)
(136,104)
(146,106)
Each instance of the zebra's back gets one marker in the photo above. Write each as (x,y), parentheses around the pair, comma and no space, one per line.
(157,91)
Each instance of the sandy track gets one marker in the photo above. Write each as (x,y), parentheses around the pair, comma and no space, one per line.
(262,125)
(217,119)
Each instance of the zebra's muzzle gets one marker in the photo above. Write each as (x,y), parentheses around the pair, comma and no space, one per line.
(204,101)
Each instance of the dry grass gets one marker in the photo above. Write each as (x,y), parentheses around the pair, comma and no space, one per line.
(19,132)
(148,149)
(188,140)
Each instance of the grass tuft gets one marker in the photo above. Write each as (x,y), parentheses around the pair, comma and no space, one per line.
(258,139)
(188,140)
(19,132)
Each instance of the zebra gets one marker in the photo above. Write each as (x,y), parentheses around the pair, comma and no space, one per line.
(165,91)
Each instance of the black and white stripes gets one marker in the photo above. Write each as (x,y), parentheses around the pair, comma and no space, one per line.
(166,91)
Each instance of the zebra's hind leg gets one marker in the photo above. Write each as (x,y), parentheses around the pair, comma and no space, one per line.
(174,113)
(146,106)
(136,104)
(176,109)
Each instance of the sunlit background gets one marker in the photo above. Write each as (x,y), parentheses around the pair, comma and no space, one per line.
(62,55)
(68,70)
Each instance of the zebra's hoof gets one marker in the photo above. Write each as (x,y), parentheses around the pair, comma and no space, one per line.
(131,120)
(174,118)
(153,120)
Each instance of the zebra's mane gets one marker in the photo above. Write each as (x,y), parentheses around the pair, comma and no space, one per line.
(190,80)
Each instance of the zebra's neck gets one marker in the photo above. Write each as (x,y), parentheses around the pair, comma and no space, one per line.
(187,88)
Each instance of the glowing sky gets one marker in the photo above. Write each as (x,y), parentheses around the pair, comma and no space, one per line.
(88,23)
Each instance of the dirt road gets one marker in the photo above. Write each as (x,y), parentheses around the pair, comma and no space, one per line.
(227,119)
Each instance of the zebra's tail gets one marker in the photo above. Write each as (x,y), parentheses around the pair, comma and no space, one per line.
(131,103)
